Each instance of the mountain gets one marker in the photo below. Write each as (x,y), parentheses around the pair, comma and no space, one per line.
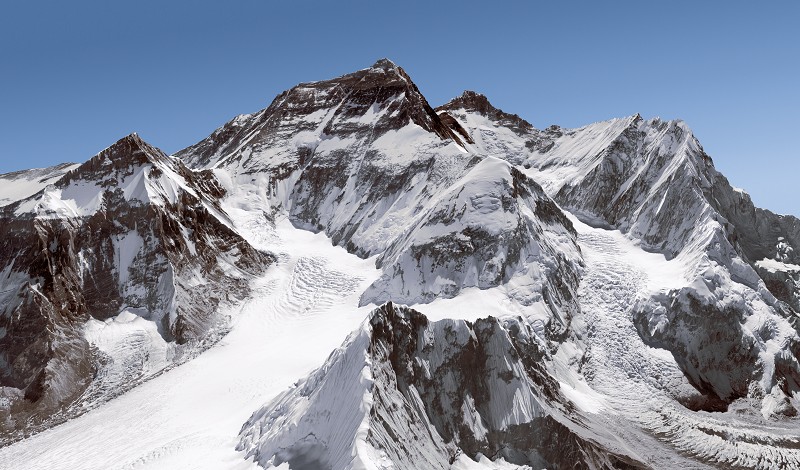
(652,180)
(129,234)
(598,297)
(365,159)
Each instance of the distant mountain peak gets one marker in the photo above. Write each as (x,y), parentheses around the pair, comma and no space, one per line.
(472,101)
(364,104)
(129,150)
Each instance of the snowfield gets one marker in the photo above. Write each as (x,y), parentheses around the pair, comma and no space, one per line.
(22,184)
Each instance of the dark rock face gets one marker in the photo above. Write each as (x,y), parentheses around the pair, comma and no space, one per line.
(471,101)
(451,122)
(758,234)
(709,345)
(465,374)
(131,250)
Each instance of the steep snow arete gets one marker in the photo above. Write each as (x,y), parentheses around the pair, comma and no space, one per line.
(597,297)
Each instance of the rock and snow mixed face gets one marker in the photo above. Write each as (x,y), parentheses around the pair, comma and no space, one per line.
(22,184)
(131,231)
(652,180)
(355,156)
(492,227)
(365,159)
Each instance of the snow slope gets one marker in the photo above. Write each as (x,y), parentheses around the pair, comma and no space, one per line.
(360,408)
(366,160)
(492,227)
(645,386)
(406,393)
(652,180)
(188,417)
(22,184)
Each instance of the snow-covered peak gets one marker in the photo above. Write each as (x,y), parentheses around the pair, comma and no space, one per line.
(386,65)
(361,106)
(493,227)
(471,102)
(130,169)
(609,325)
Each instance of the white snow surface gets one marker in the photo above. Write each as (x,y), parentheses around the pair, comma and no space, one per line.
(475,202)
(630,381)
(190,416)
(22,184)
(776,266)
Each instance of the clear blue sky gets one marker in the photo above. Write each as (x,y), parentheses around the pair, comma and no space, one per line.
(78,75)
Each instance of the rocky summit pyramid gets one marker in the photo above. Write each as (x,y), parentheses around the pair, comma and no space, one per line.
(353,279)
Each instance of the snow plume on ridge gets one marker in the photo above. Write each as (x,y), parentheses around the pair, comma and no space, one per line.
(406,393)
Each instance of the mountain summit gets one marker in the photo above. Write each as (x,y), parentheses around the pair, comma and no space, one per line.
(362,105)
